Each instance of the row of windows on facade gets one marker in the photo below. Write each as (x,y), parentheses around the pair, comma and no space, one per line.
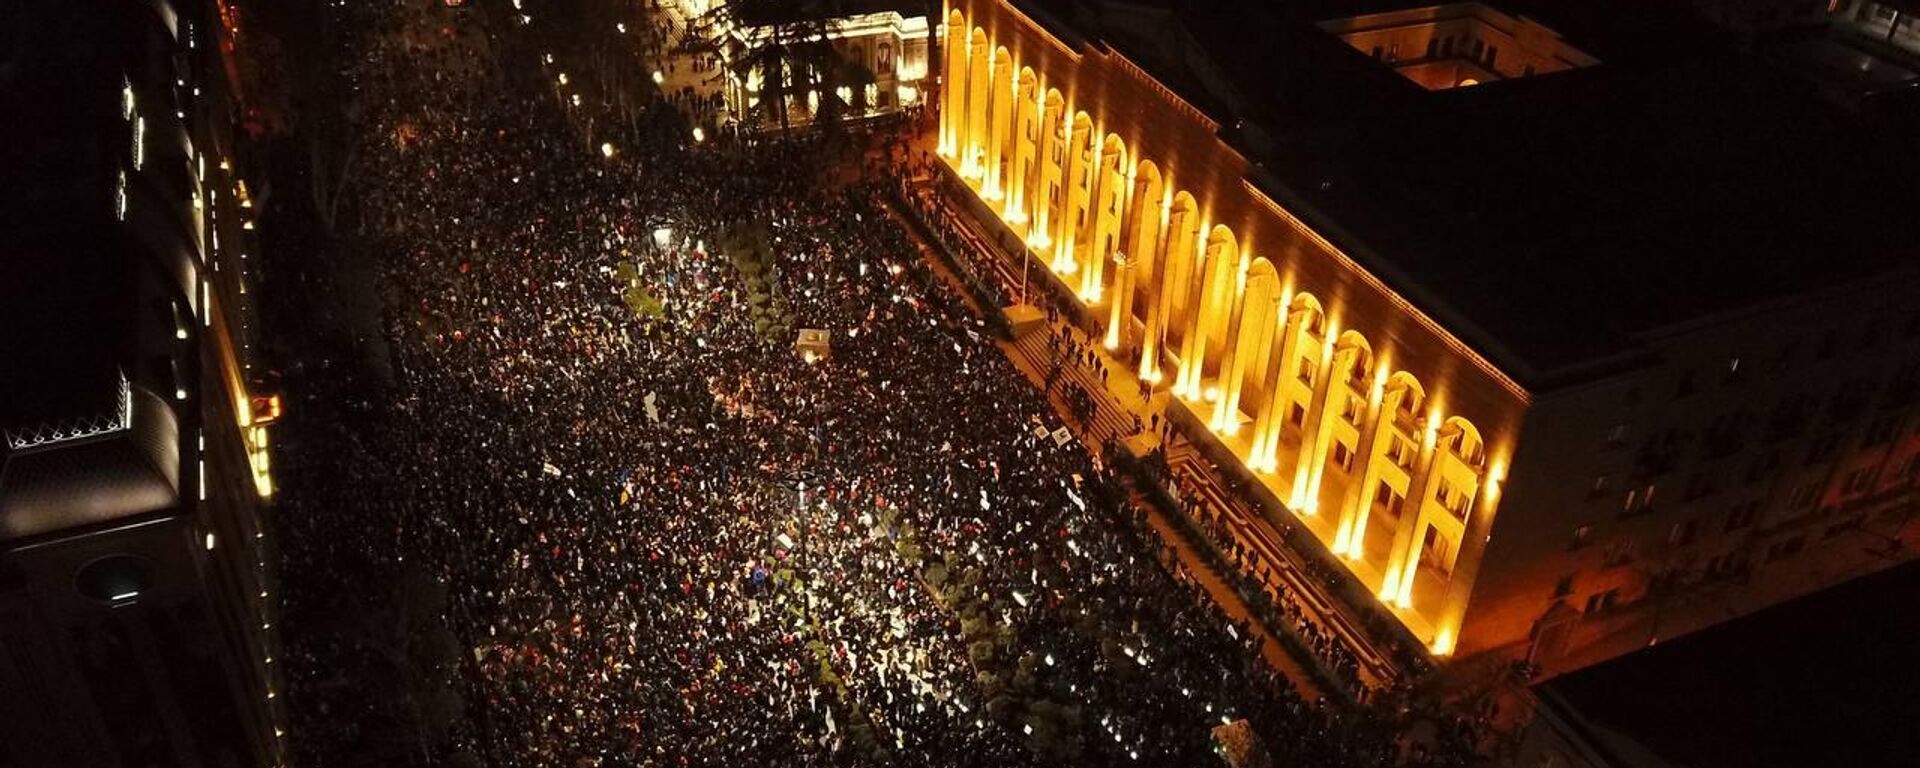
(1732,432)
(1826,349)
(1726,565)
(1743,516)
(1706,482)
(1790,417)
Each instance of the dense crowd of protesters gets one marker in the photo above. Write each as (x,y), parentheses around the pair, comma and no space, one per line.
(670,539)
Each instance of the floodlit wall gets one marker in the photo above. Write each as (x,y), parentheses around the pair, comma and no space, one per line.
(1379,430)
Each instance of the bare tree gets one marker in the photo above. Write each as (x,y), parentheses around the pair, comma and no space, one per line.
(789,44)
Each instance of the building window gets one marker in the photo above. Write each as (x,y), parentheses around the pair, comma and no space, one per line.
(1804,495)
(1639,501)
(1617,554)
(1599,487)
(1742,516)
(1389,498)
(1582,536)
(1725,565)
(1859,481)
(1601,601)
(1342,457)
(1784,549)
(1617,435)
(1842,527)
(1682,533)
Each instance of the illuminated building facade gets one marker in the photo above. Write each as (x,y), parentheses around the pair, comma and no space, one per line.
(1243,205)
(137,625)
(881,50)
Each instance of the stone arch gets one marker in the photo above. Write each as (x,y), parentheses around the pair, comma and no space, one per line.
(1334,424)
(1108,202)
(1402,396)
(979,82)
(1251,346)
(1071,227)
(1052,163)
(1462,438)
(1223,286)
(1000,111)
(1316,318)
(1023,145)
(1183,235)
(1167,313)
(1354,372)
(1212,299)
(1142,240)
(951,111)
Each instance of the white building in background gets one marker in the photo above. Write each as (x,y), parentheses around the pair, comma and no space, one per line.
(882,62)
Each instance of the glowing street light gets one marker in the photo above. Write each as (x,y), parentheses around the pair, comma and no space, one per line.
(606,149)
(699,135)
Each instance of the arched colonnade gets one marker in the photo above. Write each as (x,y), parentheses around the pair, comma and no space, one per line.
(1314,409)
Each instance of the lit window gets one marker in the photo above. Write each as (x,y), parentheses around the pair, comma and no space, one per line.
(139,142)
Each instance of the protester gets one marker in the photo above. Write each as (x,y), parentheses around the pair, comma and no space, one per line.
(672,540)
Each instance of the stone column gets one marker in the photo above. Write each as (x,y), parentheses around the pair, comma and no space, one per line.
(1193,348)
(1121,305)
(1350,533)
(1329,399)
(1403,558)
(1266,431)
(1226,409)
(1466,567)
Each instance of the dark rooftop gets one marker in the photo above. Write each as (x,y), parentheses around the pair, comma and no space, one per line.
(1549,220)
(60,322)
(1827,679)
